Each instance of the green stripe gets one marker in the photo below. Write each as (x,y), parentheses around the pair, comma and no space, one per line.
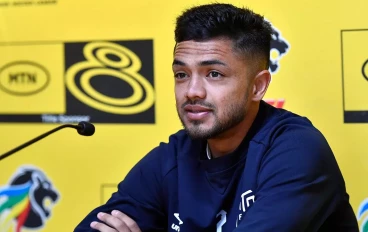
(12,201)
(365,227)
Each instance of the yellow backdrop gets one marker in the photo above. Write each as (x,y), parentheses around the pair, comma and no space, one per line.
(54,53)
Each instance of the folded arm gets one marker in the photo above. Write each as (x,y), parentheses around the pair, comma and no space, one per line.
(139,196)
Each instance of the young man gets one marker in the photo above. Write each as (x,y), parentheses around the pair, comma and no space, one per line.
(240,164)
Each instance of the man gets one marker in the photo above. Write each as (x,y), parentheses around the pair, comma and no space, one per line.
(240,164)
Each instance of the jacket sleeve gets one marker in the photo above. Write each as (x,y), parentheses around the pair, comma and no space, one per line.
(299,185)
(139,196)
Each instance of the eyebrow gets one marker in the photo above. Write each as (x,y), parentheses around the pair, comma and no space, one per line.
(178,62)
(202,63)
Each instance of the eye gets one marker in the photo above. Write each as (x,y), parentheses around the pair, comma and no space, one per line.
(180,75)
(46,185)
(215,74)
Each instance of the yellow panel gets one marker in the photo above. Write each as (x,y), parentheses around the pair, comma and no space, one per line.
(308,81)
(30,76)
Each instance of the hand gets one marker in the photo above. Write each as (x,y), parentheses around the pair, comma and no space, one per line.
(116,222)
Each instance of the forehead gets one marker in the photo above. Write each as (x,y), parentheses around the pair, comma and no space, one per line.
(216,48)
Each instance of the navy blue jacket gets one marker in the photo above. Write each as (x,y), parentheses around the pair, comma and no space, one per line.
(283,177)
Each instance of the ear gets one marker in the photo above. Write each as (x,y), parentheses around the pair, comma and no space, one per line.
(260,85)
(36,178)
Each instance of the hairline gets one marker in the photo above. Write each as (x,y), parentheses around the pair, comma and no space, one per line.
(256,61)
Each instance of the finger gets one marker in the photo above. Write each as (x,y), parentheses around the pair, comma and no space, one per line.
(128,221)
(101,227)
(114,222)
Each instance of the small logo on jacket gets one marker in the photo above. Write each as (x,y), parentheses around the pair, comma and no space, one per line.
(174,226)
(247,200)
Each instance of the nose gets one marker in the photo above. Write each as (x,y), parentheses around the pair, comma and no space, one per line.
(196,89)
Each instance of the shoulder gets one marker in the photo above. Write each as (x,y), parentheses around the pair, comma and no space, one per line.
(164,155)
(282,125)
(294,146)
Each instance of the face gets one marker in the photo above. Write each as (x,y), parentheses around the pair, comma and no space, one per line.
(211,87)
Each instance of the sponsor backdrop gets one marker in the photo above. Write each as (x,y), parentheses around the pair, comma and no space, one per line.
(109,62)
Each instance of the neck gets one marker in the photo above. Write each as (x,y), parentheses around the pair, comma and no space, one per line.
(229,140)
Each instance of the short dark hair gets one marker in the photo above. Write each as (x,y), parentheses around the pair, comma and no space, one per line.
(250,32)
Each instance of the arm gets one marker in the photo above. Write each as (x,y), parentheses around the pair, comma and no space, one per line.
(139,196)
(299,184)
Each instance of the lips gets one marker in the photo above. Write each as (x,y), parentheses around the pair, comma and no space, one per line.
(196,112)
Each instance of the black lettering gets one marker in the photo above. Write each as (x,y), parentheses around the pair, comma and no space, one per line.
(23,77)
(13,78)
(44,2)
(32,78)
(4,4)
(22,3)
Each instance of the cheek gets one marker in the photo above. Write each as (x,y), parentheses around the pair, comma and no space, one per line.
(225,100)
(179,94)
(222,100)
(180,89)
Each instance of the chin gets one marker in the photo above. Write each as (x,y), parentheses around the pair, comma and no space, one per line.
(198,132)
(196,136)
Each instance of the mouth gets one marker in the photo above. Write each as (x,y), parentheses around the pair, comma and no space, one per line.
(48,204)
(196,112)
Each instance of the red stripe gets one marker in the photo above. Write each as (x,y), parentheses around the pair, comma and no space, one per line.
(23,216)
